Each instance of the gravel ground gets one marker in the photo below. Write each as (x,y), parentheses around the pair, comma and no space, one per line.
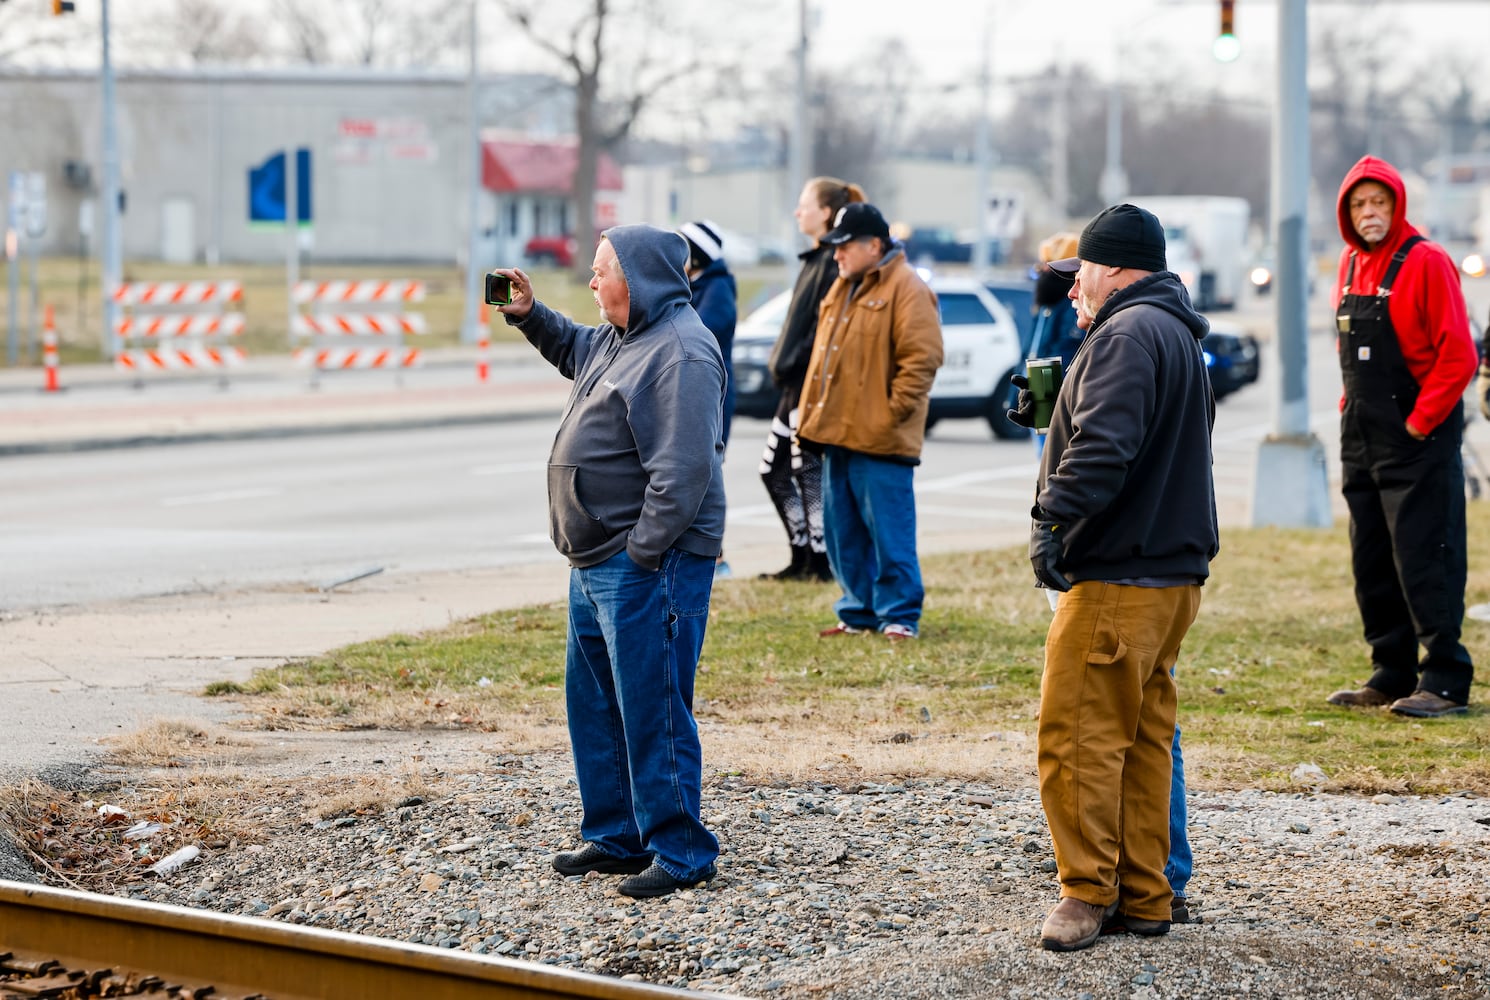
(843,887)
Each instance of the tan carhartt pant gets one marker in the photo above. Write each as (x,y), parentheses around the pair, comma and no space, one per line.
(1107,706)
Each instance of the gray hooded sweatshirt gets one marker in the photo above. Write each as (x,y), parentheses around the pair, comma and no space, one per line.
(636,463)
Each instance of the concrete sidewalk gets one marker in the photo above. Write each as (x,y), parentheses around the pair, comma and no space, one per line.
(99,407)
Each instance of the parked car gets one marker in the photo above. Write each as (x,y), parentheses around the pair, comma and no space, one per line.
(1017,293)
(1232,358)
(980,346)
(550,251)
(937,246)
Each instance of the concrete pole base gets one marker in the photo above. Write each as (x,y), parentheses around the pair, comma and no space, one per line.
(1292,485)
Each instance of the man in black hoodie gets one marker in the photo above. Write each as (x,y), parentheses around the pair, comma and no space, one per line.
(1125,527)
(636,504)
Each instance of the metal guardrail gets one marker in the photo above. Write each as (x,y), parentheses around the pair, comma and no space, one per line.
(68,944)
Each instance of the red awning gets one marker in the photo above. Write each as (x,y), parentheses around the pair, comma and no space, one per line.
(519,166)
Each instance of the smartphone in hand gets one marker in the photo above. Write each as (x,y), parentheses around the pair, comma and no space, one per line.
(498,290)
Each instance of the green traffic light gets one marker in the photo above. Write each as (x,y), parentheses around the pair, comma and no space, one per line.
(1226,48)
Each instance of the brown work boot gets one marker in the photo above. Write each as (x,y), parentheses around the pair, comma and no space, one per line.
(1137,925)
(1427,705)
(1074,925)
(1366,697)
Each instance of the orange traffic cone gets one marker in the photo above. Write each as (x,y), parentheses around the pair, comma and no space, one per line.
(483,364)
(49,349)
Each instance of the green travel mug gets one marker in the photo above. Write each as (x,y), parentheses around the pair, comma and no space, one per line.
(1044,375)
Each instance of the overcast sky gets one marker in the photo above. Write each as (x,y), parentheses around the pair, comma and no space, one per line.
(946,35)
(945,38)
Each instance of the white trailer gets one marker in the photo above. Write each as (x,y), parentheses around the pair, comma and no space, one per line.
(1206,242)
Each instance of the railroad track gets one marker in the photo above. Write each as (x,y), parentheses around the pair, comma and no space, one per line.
(62,944)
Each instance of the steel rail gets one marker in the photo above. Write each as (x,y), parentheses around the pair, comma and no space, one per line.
(246,956)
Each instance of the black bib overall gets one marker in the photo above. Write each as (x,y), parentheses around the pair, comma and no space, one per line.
(1406,501)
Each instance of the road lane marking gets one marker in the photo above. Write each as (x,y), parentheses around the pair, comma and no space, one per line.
(221,496)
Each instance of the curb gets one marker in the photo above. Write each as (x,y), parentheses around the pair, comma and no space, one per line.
(72,445)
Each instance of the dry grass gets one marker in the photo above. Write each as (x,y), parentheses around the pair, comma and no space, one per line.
(1278,630)
(370,794)
(170,743)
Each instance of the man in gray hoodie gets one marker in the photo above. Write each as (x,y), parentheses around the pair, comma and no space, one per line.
(636,504)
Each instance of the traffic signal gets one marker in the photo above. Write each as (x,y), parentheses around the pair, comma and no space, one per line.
(61,7)
(1226,47)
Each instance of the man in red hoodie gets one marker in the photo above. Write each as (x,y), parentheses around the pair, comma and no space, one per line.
(1406,356)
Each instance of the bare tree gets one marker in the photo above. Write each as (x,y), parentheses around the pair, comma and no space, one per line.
(309,34)
(382,33)
(29,33)
(211,31)
(586,52)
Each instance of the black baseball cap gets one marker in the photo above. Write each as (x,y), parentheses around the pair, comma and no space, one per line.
(856,219)
(1120,236)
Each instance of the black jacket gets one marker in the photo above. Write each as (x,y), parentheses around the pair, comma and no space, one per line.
(1127,463)
(793,348)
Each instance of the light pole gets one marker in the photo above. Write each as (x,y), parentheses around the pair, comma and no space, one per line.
(469,332)
(800,142)
(983,148)
(1113,184)
(1291,488)
(109,246)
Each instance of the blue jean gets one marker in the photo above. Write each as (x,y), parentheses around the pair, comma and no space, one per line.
(1181,862)
(869,525)
(634,642)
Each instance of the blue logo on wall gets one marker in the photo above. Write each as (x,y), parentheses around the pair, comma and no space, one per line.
(266,189)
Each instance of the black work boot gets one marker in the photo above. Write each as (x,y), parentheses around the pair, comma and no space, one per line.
(796,569)
(818,568)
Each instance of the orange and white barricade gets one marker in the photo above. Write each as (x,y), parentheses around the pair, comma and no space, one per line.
(178,326)
(357,324)
(49,348)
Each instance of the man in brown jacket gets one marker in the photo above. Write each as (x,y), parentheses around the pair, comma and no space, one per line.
(864,403)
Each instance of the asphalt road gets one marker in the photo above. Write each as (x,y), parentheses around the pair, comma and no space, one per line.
(87,527)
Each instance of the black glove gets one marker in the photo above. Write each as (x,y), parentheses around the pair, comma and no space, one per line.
(1046,548)
(1024,416)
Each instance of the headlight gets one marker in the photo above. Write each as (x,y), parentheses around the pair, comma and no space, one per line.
(1473,265)
(752,352)
(1261,276)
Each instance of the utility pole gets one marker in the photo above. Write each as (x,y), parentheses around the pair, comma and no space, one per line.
(983,148)
(1113,185)
(109,248)
(801,138)
(1060,154)
(1291,487)
(292,236)
(469,333)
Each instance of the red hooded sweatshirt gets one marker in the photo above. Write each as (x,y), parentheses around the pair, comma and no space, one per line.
(1426,305)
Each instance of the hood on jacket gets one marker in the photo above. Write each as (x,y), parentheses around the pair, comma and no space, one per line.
(655,264)
(716,268)
(1162,289)
(1369,168)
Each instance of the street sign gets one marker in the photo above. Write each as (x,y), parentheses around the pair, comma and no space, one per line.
(16,207)
(1006,216)
(27,209)
(36,204)
(266,189)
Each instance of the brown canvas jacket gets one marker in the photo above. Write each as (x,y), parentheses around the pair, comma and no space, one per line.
(876,353)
